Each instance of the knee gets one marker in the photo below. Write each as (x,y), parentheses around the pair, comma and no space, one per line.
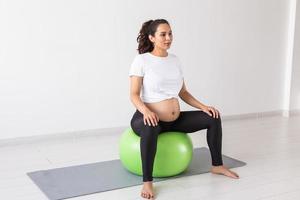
(150,132)
(218,120)
(215,121)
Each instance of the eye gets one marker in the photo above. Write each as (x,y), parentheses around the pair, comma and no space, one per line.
(165,34)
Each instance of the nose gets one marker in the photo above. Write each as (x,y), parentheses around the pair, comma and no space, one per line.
(168,38)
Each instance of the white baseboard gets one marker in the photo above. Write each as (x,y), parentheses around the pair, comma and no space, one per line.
(253,115)
(294,112)
(119,130)
(74,135)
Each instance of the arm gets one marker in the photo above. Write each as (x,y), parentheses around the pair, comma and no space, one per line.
(150,117)
(135,88)
(189,99)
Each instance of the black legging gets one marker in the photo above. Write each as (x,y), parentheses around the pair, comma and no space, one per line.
(187,122)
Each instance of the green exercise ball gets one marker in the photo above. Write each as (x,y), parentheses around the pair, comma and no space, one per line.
(173,155)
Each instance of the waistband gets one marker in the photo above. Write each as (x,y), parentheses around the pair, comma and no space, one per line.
(160,121)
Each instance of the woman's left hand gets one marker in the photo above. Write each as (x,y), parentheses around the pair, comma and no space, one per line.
(211,111)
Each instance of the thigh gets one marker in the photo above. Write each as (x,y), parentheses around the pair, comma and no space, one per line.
(140,129)
(192,121)
(137,122)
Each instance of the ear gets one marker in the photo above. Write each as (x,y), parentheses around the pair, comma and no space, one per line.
(151,38)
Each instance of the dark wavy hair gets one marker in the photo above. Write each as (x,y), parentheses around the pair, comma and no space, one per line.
(148,28)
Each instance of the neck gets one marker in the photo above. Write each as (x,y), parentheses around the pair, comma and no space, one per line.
(159,52)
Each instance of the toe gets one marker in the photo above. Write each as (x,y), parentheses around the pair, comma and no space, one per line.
(234,174)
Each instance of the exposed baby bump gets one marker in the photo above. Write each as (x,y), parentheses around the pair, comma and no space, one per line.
(167,110)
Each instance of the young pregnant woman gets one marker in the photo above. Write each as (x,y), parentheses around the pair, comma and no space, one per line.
(158,76)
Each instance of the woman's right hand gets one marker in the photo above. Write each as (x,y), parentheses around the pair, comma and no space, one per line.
(150,118)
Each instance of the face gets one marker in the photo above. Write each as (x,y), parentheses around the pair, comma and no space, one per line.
(163,37)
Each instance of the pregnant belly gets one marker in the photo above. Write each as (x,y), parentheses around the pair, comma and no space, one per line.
(167,110)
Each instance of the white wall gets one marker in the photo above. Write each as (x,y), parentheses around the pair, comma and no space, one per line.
(64,63)
(295,83)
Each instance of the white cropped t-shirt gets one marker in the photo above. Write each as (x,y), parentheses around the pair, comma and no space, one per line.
(162,76)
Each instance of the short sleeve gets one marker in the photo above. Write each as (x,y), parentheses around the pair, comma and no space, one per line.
(137,66)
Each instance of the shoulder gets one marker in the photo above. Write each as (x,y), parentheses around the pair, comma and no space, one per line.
(174,57)
(140,57)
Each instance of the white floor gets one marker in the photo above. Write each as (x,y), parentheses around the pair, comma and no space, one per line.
(270,146)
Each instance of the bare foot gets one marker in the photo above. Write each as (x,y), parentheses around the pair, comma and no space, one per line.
(147,191)
(224,171)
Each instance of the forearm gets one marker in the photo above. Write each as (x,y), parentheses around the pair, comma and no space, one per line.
(189,99)
(138,103)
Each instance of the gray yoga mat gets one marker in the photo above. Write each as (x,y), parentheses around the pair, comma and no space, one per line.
(67,182)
